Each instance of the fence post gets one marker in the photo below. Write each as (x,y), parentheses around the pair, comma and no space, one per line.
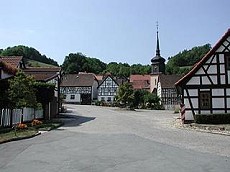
(182,112)
(11,117)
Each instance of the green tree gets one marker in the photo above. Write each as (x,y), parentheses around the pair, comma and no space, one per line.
(44,93)
(21,91)
(139,98)
(152,101)
(183,61)
(75,63)
(125,95)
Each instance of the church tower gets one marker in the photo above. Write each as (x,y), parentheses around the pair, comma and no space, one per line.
(158,62)
(158,67)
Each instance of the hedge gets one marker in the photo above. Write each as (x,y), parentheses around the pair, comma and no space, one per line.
(212,118)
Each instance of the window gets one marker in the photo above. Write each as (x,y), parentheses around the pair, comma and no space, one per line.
(64,96)
(109,99)
(72,96)
(205,100)
(102,99)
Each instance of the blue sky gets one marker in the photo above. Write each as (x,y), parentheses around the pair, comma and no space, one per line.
(112,30)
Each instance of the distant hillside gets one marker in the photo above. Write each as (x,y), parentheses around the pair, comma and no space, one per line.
(33,63)
(28,53)
(183,61)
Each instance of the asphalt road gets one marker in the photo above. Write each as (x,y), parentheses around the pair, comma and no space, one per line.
(101,139)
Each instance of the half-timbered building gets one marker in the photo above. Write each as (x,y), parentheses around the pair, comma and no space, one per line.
(206,88)
(166,91)
(79,88)
(107,89)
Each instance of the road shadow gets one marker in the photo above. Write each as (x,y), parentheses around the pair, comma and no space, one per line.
(74,120)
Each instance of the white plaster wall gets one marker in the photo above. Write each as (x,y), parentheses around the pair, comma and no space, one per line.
(205,112)
(205,80)
(94,90)
(186,102)
(194,102)
(220,49)
(228,77)
(222,79)
(193,92)
(188,115)
(212,69)
(152,82)
(214,79)
(228,102)
(5,75)
(205,66)
(200,71)
(218,111)
(218,102)
(213,61)
(106,98)
(194,81)
(217,92)
(222,69)
(76,100)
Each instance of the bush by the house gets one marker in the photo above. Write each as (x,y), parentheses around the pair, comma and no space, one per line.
(212,118)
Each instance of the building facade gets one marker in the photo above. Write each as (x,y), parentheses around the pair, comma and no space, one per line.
(166,91)
(206,88)
(79,88)
(107,89)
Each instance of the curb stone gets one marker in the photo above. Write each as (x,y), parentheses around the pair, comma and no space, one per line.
(20,138)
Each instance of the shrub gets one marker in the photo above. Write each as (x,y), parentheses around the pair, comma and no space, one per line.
(212,118)
(21,126)
(36,122)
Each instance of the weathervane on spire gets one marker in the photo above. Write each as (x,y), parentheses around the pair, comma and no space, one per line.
(158,46)
(157,26)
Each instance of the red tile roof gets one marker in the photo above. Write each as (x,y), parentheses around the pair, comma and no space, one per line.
(198,65)
(140,81)
(78,80)
(139,78)
(14,61)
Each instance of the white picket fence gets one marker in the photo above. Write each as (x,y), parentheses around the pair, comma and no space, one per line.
(28,115)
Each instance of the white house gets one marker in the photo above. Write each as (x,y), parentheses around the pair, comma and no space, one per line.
(79,88)
(107,89)
(206,88)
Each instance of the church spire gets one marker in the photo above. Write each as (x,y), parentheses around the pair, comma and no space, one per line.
(158,62)
(158,44)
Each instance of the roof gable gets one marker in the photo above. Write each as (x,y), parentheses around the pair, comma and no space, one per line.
(14,61)
(7,68)
(168,81)
(43,73)
(217,47)
(106,78)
